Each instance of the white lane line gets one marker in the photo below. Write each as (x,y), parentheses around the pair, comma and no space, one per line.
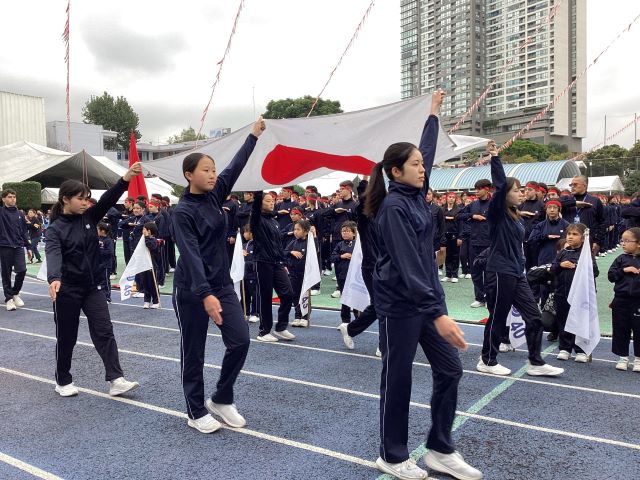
(371,357)
(175,413)
(475,416)
(26,467)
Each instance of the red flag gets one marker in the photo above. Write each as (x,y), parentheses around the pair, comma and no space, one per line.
(137,186)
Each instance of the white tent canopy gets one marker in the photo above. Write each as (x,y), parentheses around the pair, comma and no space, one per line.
(22,161)
(596,184)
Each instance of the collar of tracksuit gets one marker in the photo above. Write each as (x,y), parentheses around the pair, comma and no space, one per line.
(404,189)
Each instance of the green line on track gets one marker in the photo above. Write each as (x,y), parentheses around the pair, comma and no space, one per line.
(475,408)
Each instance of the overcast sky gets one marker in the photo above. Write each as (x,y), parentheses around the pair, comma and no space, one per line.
(162,57)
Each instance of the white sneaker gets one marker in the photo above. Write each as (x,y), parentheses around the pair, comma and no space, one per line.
(623,363)
(155,305)
(112,277)
(326,273)
(18,301)
(440,272)
(146,305)
(11,305)
(378,352)
(445,279)
(266,338)
(506,347)
(493,369)
(284,335)
(407,470)
(582,358)
(205,424)
(454,280)
(468,275)
(336,294)
(545,370)
(137,295)
(334,278)
(348,341)
(563,355)
(228,413)
(461,275)
(171,270)
(315,293)
(636,365)
(304,323)
(296,322)
(253,319)
(477,304)
(66,390)
(452,464)
(120,386)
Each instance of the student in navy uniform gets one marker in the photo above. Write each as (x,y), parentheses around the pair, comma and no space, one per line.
(161,220)
(250,277)
(410,302)
(508,284)
(625,308)
(113,218)
(169,244)
(272,274)
(150,285)
(452,249)
(564,268)
(286,232)
(313,212)
(342,211)
(14,238)
(244,210)
(582,207)
(476,214)
(34,227)
(464,233)
(438,228)
(532,212)
(125,229)
(283,208)
(134,224)
(341,258)
(203,288)
(230,207)
(296,254)
(105,243)
(74,275)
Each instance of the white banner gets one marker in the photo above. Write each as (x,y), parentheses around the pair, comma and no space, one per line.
(311,274)
(42,273)
(355,293)
(516,328)
(237,265)
(139,262)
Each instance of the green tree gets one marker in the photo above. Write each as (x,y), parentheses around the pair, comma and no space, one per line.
(632,183)
(608,160)
(557,148)
(113,114)
(299,107)
(187,135)
(521,148)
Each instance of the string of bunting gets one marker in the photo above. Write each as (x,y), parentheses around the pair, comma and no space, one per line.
(65,39)
(220,64)
(609,138)
(567,89)
(351,42)
(552,12)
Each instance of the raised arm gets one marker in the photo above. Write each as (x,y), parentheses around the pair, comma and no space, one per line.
(499,180)
(429,138)
(256,212)
(111,196)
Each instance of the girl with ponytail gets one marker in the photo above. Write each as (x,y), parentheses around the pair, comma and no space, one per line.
(75,276)
(409,301)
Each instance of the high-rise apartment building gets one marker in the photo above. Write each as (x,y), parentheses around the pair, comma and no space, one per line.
(464,45)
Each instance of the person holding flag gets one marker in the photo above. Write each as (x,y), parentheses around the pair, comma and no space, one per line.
(74,275)
(203,288)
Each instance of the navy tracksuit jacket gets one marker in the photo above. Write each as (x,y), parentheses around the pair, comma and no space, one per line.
(408,298)
(200,229)
(625,308)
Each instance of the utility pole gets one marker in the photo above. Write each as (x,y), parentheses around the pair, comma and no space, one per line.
(605,131)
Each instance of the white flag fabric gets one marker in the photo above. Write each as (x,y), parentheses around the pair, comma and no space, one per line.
(294,150)
(139,262)
(355,292)
(516,328)
(311,274)
(237,265)
(42,273)
(583,320)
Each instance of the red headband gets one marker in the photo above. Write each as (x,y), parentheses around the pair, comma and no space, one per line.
(288,189)
(296,210)
(155,203)
(554,189)
(532,185)
(553,202)
(451,194)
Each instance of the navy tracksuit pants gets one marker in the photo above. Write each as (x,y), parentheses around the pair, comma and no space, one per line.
(566,340)
(66,315)
(296,286)
(477,274)
(12,259)
(504,291)
(366,318)
(625,317)
(399,339)
(194,322)
(273,277)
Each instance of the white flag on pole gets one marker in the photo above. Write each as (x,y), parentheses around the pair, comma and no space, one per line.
(139,262)
(516,328)
(237,265)
(583,314)
(311,274)
(355,292)
(42,273)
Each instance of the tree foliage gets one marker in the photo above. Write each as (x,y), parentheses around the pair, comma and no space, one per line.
(299,107)
(632,183)
(187,135)
(28,194)
(522,148)
(113,114)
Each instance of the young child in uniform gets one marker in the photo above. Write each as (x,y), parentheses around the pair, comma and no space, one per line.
(296,253)
(564,268)
(150,233)
(341,257)
(250,277)
(625,308)
(106,257)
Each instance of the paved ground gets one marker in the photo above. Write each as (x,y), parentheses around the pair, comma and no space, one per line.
(311,406)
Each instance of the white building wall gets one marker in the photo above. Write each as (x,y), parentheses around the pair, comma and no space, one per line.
(21,119)
(84,136)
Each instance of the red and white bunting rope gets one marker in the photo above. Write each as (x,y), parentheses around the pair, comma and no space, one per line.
(602,144)
(552,12)
(567,89)
(220,64)
(351,42)
(65,39)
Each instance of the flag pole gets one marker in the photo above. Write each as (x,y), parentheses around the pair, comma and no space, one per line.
(153,274)
(244,298)
(309,312)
